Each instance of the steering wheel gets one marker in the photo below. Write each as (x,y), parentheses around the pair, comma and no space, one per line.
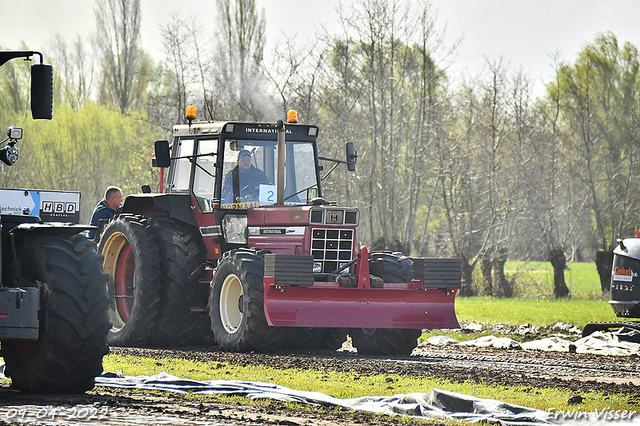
(250,192)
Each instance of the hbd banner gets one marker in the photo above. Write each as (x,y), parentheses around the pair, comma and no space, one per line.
(51,206)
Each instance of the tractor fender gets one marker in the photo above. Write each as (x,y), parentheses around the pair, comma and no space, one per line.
(49,228)
(176,206)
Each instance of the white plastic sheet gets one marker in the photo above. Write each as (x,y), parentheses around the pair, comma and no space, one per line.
(439,404)
(624,341)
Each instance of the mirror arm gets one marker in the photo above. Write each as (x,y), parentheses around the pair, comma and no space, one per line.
(331,169)
(332,159)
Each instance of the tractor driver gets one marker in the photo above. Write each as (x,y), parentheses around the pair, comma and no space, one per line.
(240,183)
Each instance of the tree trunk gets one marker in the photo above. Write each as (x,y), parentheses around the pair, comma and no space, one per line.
(502,286)
(467,278)
(559,263)
(487,278)
(604,263)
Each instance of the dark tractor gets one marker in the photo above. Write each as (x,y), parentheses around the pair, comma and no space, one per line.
(624,296)
(53,301)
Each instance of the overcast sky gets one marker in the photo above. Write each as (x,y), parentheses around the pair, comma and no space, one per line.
(524,32)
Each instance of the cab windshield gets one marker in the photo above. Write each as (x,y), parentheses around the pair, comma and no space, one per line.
(250,173)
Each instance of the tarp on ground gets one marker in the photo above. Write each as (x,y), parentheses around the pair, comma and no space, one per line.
(625,341)
(439,404)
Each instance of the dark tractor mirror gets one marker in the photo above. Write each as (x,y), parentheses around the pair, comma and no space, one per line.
(351,157)
(41,91)
(163,159)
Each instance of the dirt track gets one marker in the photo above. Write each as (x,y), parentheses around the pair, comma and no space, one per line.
(579,372)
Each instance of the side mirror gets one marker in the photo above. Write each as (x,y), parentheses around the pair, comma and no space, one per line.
(41,91)
(163,159)
(351,156)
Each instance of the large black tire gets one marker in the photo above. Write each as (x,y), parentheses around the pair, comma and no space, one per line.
(132,259)
(328,339)
(391,267)
(183,254)
(384,341)
(236,304)
(73,317)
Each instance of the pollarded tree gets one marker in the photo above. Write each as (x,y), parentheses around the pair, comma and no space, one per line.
(601,103)
(555,200)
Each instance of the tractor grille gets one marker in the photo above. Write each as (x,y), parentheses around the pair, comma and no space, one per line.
(331,247)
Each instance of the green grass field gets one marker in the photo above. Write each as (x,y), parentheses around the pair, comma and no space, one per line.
(535,279)
(542,312)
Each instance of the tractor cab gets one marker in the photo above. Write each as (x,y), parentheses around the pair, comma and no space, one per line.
(224,177)
(231,165)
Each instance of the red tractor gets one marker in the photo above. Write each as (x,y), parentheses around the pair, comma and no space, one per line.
(270,261)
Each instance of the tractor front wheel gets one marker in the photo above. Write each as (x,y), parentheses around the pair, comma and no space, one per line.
(236,304)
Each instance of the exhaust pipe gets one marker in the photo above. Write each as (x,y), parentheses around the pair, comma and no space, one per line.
(280,177)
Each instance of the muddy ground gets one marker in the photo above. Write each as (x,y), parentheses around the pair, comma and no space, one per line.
(578,372)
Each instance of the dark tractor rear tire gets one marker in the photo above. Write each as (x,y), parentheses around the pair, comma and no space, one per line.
(384,341)
(73,317)
(131,258)
(183,255)
(327,339)
(236,304)
(391,267)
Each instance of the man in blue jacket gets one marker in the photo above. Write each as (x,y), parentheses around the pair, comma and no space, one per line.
(239,184)
(108,207)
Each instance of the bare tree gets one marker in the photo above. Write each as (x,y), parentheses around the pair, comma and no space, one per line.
(177,51)
(462,187)
(118,37)
(239,70)
(75,68)
(398,87)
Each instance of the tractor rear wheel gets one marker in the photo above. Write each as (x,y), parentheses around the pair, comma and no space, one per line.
(131,258)
(73,317)
(236,304)
(183,257)
(384,341)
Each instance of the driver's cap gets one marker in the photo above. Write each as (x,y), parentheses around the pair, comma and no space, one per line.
(244,152)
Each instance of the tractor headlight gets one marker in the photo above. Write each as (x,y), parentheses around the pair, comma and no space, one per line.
(14,133)
(234,228)
(9,155)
